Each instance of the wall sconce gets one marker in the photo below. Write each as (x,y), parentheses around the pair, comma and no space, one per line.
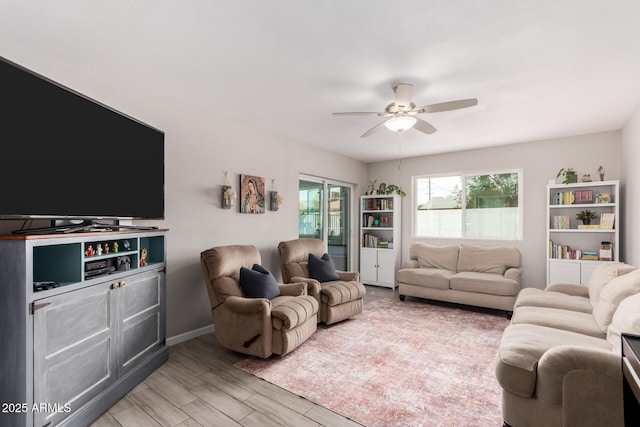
(275,199)
(228,195)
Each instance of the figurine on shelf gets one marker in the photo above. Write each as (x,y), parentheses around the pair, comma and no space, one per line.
(143,257)
(601,173)
(114,247)
(105,248)
(98,249)
(126,245)
(89,252)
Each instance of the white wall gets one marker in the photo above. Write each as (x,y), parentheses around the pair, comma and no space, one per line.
(539,160)
(196,157)
(630,154)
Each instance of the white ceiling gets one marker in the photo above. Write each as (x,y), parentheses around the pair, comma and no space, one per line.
(540,68)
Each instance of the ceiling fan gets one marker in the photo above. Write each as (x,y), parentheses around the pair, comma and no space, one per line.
(402,112)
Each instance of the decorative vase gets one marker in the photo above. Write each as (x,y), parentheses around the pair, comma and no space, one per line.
(273,202)
(227,203)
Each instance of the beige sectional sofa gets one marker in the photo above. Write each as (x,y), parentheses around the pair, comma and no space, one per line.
(559,361)
(484,276)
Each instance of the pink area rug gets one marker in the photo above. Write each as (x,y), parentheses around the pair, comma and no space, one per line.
(398,364)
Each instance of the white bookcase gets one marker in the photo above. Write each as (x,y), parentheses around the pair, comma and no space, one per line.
(569,241)
(379,239)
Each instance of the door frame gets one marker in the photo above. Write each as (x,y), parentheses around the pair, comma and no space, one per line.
(326,182)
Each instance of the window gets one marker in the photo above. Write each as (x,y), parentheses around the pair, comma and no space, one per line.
(476,205)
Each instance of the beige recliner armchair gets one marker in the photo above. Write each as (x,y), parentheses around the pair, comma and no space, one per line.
(255,326)
(339,299)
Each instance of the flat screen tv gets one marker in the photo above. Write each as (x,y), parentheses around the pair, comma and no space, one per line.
(66,156)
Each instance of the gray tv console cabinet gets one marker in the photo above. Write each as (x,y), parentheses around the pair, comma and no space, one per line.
(70,352)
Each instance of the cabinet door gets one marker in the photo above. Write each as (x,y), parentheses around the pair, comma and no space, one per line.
(586,268)
(368,265)
(141,322)
(564,272)
(386,267)
(74,335)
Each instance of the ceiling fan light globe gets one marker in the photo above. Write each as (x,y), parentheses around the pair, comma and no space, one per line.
(400,123)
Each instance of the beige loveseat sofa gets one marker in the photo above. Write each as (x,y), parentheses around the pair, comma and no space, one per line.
(559,360)
(484,276)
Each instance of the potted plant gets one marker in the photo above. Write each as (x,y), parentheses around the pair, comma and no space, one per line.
(392,188)
(586,216)
(569,174)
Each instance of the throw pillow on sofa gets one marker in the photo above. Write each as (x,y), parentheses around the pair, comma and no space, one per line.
(603,274)
(626,319)
(322,269)
(442,257)
(258,282)
(612,295)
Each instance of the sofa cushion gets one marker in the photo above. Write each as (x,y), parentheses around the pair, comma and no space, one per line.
(322,269)
(603,274)
(429,256)
(534,297)
(521,347)
(428,277)
(612,295)
(573,321)
(486,283)
(626,319)
(258,282)
(488,259)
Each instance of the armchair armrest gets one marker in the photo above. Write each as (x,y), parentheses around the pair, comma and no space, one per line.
(293,289)
(247,305)
(313,286)
(564,370)
(569,289)
(513,274)
(349,276)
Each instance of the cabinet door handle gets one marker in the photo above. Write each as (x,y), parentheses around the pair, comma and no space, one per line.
(115,286)
(122,284)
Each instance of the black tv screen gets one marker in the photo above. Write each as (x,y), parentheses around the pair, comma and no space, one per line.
(65,155)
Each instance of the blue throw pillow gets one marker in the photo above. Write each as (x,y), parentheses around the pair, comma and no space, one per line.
(258,282)
(322,269)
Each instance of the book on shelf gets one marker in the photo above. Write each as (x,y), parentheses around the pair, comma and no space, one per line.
(572,197)
(561,222)
(590,256)
(607,220)
(378,204)
(557,251)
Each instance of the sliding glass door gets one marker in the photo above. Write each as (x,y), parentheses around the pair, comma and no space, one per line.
(325,214)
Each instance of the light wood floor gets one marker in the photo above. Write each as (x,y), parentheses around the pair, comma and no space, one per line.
(199,386)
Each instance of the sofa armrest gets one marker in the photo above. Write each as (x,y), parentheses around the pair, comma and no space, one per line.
(293,289)
(348,276)
(412,263)
(247,305)
(569,289)
(565,370)
(513,274)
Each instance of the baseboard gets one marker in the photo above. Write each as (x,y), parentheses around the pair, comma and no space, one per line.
(177,339)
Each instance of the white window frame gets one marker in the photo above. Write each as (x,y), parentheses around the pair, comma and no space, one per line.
(464,176)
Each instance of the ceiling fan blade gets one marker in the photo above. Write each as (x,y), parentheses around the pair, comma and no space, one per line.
(373,130)
(358,113)
(447,106)
(403,92)
(424,126)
